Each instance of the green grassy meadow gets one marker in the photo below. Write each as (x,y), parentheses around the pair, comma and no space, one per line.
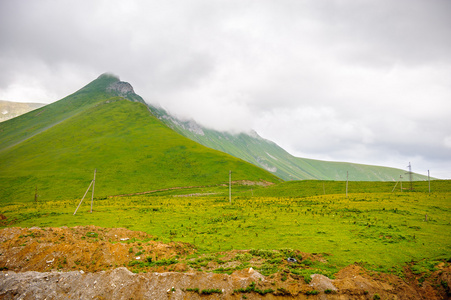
(372,226)
(48,156)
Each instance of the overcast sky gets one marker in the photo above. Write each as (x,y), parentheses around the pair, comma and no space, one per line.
(365,81)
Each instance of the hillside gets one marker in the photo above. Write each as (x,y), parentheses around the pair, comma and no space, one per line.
(55,149)
(249,147)
(9,110)
(269,156)
(25,126)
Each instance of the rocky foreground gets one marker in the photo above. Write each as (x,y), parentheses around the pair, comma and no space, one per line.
(96,263)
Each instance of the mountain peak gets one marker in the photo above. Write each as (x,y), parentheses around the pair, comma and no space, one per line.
(108,75)
(112,84)
(120,88)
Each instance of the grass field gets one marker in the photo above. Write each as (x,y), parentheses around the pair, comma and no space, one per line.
(376,228)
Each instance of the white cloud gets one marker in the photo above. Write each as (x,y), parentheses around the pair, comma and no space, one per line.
(447,141)
(343,80)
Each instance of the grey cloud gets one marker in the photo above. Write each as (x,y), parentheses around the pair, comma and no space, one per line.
(366,81)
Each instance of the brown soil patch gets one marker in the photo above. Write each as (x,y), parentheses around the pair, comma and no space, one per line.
(96,263)
(87,248)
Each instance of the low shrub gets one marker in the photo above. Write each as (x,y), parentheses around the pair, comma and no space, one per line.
(314,292)
(253,288)
(211,291)
(243,257)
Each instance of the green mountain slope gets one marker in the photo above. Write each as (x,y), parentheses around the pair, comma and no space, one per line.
(268,155)
(57,148)
(25,126)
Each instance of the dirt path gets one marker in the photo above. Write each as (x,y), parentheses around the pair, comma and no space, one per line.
(90,262)
(241,182)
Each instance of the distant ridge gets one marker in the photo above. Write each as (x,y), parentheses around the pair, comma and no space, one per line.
(9,109)
(269,156)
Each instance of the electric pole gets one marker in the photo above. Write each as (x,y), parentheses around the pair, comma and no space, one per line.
(347,183)
(92,197)
(36,194)
(93,185)
(230,186)
(410,176)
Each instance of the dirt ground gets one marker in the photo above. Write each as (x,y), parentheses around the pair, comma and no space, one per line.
(89,262)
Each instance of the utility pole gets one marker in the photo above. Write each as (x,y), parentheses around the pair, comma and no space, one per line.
(410,176)
(92,198)
(93,185)
(36,194)
(347,183)
(230,186)
(429,180)
(400,180)
(395,186)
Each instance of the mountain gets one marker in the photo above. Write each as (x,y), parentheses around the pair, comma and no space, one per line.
(9,110)
(269,156)
(136,147)
(105,126)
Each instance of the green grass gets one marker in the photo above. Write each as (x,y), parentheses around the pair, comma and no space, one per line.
(305,188)
(55,150)
(253,288)
(378,230)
